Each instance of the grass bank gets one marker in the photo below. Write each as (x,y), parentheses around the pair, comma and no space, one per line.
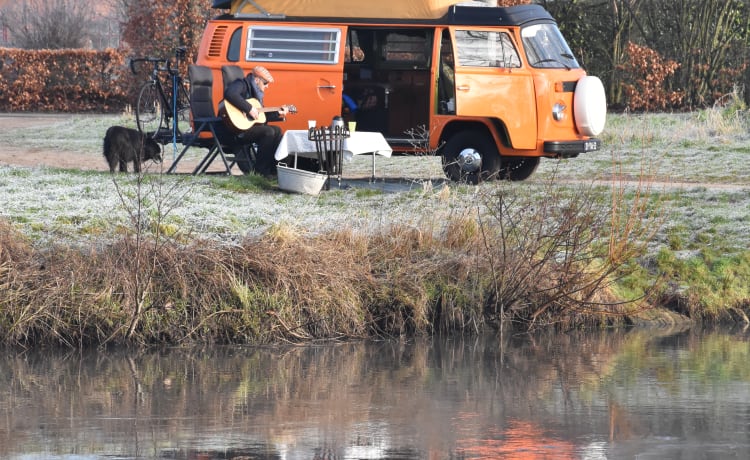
(463,273)
(659,218)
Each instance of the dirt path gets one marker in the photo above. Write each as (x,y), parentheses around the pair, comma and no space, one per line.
(19,156)
(15,156)
(31,157)
(66,159)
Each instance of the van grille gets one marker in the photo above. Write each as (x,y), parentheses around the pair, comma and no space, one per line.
(217,40)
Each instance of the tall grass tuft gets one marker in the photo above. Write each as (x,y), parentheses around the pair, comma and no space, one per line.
(729,115)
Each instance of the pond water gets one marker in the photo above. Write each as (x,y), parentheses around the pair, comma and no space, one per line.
(644,394)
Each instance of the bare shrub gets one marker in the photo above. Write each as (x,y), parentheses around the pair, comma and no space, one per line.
(149,202)
(556,253)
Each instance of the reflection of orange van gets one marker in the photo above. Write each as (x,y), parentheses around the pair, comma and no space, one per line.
(490,89)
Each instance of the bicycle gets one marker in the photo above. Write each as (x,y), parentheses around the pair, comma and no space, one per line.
(160,109)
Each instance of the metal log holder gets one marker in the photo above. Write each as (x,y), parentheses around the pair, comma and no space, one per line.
(329,145)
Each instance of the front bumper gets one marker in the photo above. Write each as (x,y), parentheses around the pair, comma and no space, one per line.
(571,148)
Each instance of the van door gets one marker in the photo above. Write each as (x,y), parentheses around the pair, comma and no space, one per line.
(307,63)
(491,82)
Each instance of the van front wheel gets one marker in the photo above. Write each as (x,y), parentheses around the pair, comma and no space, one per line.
(469,156)
(518,168)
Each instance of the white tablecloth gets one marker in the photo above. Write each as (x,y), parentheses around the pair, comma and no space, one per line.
(358,143)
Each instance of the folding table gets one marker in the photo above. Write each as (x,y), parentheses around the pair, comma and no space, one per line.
(298,143)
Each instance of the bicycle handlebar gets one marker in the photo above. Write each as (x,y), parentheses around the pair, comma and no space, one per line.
(155,61)
(180,53)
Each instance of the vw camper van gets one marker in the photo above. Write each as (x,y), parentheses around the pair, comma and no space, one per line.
(492,90)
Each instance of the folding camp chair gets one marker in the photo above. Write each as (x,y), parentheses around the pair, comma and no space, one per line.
(230,73)
(210,131)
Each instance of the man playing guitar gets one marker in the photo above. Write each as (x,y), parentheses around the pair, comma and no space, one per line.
(266,137)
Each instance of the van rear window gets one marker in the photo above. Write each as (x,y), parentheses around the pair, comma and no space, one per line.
(406,47)
(287,44)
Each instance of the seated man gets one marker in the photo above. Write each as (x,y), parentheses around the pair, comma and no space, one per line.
(266,137)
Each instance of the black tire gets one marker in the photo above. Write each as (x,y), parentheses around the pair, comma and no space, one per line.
(149,112)
(518,168)
(461,148)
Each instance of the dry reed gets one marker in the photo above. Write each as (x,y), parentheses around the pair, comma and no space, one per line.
(518,259)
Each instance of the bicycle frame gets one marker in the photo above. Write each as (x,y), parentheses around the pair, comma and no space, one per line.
(167,97)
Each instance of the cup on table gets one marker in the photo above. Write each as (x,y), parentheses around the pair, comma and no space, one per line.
(352,126)
(311,124)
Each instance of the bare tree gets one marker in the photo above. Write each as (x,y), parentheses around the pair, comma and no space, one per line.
(156,28)
(50,24)
(708,38)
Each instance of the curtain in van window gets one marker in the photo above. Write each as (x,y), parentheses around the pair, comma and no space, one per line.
(480,48)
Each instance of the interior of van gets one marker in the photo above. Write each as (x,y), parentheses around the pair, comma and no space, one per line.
(387,81)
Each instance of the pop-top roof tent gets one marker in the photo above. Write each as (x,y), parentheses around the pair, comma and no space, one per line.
(440,11)
(395,9)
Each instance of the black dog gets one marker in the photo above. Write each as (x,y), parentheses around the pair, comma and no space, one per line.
(122,145)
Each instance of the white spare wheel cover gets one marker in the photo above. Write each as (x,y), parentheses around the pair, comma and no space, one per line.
(590,106)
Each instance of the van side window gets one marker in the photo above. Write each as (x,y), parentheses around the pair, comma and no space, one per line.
(293,44)
(233,50)
(486,49)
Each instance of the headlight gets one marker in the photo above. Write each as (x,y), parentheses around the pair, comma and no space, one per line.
(558,112)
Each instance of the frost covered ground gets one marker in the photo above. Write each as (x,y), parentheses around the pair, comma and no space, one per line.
(53,184)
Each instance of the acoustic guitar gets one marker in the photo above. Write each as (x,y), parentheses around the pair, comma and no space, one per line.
(237,121)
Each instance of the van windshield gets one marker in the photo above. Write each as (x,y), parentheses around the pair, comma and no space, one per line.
(546,47)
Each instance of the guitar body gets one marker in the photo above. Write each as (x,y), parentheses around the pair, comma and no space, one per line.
(238,122)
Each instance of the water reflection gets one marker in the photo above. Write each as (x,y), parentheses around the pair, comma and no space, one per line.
(604,395)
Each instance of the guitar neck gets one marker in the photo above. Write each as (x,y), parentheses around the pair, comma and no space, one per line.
(269,109)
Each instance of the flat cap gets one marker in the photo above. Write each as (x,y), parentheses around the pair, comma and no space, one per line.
(262,72)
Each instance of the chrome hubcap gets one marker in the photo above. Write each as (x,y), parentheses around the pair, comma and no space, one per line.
(470,160)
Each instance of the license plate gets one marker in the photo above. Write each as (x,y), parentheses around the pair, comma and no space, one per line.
(590,146)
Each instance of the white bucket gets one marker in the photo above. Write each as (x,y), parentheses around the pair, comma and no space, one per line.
(300,181)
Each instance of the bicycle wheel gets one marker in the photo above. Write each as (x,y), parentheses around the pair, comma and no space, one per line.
(149,110)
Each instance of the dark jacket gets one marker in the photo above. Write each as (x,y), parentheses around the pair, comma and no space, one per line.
(242,89)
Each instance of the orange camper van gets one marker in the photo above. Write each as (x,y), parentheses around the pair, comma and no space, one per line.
(492,90)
